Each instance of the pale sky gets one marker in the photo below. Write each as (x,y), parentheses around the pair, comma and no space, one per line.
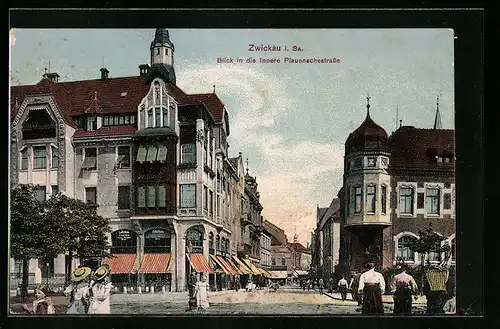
(290,120)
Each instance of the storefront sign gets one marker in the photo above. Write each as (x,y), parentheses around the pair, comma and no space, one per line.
(157,234)
(124,235)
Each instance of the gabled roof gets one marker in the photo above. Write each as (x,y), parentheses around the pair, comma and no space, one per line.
(213,102)
(297,246)
(416,148)
(321,213)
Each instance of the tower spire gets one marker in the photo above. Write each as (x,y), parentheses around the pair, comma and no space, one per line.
(367,105)
(437,119)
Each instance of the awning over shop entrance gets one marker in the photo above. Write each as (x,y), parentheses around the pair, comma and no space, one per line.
(243,268)
(156,263)
(279,274)
(235,267)
(227,265)
(252,267)
(122,263)
(216,260)
(199,263)
(265,273)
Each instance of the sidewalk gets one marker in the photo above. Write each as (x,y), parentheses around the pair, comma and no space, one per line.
(387,299)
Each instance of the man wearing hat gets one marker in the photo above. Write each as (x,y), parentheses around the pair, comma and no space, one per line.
(101,291)
(79,291)
(403,286)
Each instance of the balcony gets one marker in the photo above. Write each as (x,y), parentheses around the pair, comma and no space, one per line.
(357,221)
(246,219)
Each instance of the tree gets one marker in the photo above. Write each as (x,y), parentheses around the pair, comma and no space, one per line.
(428,241)
(31,235)
(81,229)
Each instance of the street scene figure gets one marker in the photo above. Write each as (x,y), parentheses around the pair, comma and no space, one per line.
(78,291)
(343,287)
(353,286)
(192,290)
(403,286)
(434,289)
(372,286)
(201,293)
(100,291)
(41,305)
(321,285)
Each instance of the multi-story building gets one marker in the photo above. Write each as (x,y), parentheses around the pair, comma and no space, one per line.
(265,250)
(152,157)
(328,235)
(393,187)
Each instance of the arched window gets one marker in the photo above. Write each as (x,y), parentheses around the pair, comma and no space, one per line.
(156,241)
(211,242)
(123,242)
(195,240)
(217,242)
(404,251)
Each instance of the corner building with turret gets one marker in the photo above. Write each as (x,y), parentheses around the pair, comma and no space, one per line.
(154,159)
(394,186)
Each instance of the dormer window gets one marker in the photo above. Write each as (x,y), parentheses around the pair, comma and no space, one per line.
(157,108)
(91,123)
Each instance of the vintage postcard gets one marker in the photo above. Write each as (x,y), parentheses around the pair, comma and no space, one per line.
(232,171)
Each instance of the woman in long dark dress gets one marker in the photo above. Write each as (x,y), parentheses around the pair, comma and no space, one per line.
(372,286)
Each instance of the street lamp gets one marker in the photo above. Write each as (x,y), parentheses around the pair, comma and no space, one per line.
(48,272)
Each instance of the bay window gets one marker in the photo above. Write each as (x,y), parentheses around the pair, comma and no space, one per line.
(357,198)
(370,198)
(40,157)
(187,195)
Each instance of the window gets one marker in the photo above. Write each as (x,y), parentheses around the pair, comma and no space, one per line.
(105,121)
(132,119)
(162,153)
(46,267)
(211,202)
(357,197)
(24,159)
(127,119)
(90,160)
(385,161)
(123,242)
(55,157)
(188,195)
(116,120)
(188,153)
(157,117)
(157,51)
(142,117)
(123,160)
(162,196)
(91,195)
(195,240)
(40,157)
(141,154)
(40,193)
(211,241)
(434,256)
(406,200)
(141,197)
(55,189)
(273,262)
(432,201)
(420,200)
(152,152)
(156,241)
(404,251)
(383,198)
(283,261)
(123,197)
(91,123)
(370,198)
(205,198)
(165,117)
(218,206)
(121,120)
(151,196)
(150,118)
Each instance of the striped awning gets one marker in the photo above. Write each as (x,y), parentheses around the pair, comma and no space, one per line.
(243,268)
(199,263)
(122,263)
(264,272)
(235,267)
(252,267)
(219,263)
(227,265)
(155,263)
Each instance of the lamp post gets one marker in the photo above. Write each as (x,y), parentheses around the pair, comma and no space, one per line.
(48,273)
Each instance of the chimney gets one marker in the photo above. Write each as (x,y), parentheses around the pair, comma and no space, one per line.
(104,73)
(143,69)
(54,77)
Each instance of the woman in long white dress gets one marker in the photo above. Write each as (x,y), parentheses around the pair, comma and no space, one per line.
(201,292)
(101,291)
(79,291)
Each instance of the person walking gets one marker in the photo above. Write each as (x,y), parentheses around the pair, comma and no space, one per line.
(353,286)
(343,287)
(100,291)
(372,286)
(79,291)
(201,292)
(308,283)
(403,286)
(321,284)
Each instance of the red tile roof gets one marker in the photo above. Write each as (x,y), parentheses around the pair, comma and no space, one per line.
(106,131)
(415,148)
(212,102)
(155,263)
(297,246)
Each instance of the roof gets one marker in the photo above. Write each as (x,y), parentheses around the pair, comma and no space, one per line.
(368,135)
(416,148)
(213,103)
(106,131)
(297,246)
(233,162)
(321,213)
